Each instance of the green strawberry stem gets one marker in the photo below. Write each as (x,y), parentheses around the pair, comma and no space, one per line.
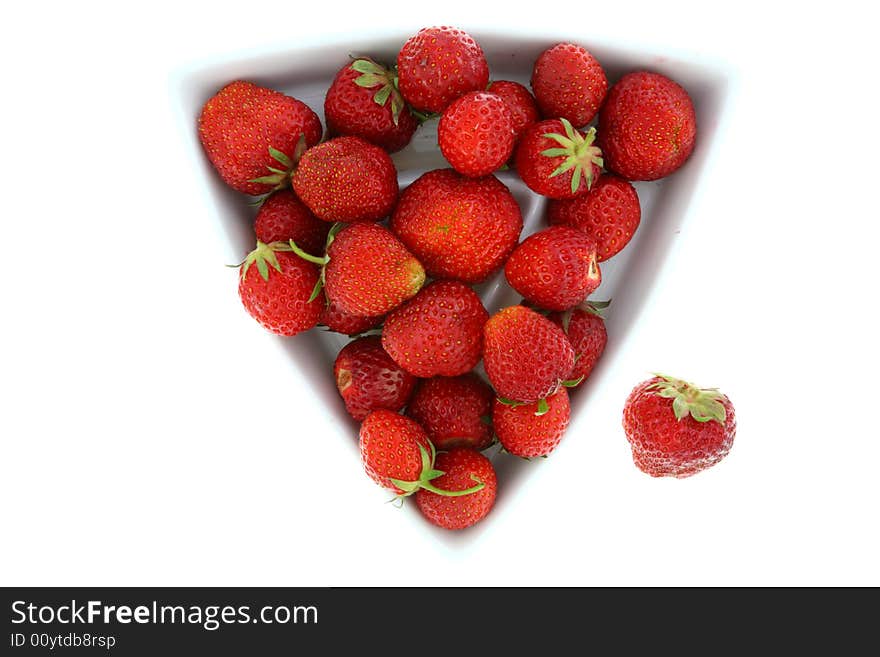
(455,493)
(306,256)
(702,404)
(280,178)
(374,74)
(579,152)
(427,474)
(263,257)
(320,261)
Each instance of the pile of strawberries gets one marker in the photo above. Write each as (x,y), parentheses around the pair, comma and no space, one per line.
(325,254)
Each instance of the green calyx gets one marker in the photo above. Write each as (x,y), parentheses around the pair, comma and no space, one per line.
(264,257)
(579,152)
(373,74)
(542,408)
(320,261)
(279,178)
(702,404)
(428,472)
(596,308)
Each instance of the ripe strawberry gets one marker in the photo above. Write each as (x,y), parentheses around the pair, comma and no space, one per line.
(585,329)
(554,268)
(454,411)
(438,65)
(526,355)
(647,127)
(397,455)
(439,332)
(369,272)
(461,467)
(676,429)
(283,217)
(277,291)
(569,83)
(520,102)
(609,213)
(248,132)
(336,319)
(364,101)
(347,179)
(556,160)
(461,228)
(368,379)
(535,429)
(476,133)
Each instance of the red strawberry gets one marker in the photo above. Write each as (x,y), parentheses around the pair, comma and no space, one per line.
(369,272)
(364,101)
(336,319)
(585,329)
(476,133)
(248,132)
(556,160)
(526,355)
(609,213)
(554,268)
(569,83)
(368,379)
(347,179)
(676,429)
(461,467)
(397,455)
(520,102)
(647,127)
(461,228)
(438,65)
(439,332)
(454,411)
(535,429)
(283,217)
(276,292)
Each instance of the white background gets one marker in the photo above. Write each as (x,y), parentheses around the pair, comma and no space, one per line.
(147,426)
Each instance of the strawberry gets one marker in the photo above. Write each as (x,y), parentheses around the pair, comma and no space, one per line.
(336,319)
(476,133)
(461,467)
(647,127)
(249,131)
(438,332)
(276,292)
(585,329)
(526,356)
(397,455)
(676,429)
(609,213)
(535,429)
(368,379)
(520,102)
(347,179)
(461,228)
(555,160)
(554,268)
(454,411)
(438,65)
(283,217)
(569,83)
(367,271)
(363,100)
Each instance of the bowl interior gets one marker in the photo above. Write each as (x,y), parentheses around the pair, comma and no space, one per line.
(627,278)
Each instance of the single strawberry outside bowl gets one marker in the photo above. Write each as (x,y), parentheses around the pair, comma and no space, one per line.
(628,278)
